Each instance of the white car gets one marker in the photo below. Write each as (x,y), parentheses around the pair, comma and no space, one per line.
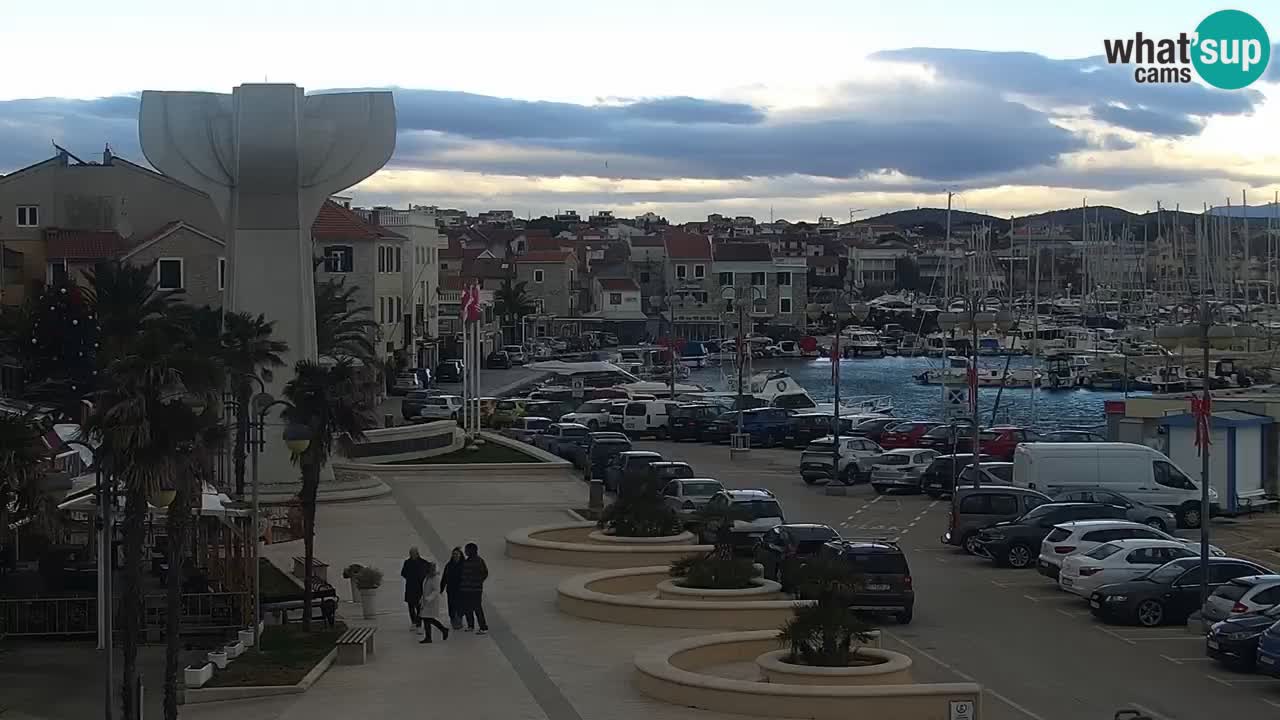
(1118,561)
(755,512)
(688,496)
(856,456)
(1082,536)
(441,407)
(593,413)
(1242,595)
(515,353)
(900,469)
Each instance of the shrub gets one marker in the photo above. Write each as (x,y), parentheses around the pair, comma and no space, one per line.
(351,571)
(639,511)
(826,633)
(713,572)
(368,578)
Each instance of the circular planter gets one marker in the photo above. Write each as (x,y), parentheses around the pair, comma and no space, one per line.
(889,668)
(761,590)
(571,544)
(682,538)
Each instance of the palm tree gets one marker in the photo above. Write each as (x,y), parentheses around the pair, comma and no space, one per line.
(124,298)
(344,328)
(21,469)
(324,399)
(248,351)
(823,633)
(511,301)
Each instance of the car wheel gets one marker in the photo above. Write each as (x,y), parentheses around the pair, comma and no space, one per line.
(1156,523)
(970,544)
(1018,556)
(661,433)
(904,617)
(1149,613)
(1189,515)
(850,475)
(810,480)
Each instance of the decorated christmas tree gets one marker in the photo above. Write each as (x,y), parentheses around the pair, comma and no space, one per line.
(63,346)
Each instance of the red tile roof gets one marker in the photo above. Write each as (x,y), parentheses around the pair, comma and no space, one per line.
(545,256)
(617,284)
(335,222)
(683,245)
(543,242)
(743,252)
(83,244)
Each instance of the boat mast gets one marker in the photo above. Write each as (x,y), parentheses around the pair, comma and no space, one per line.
(946,251)
(1035,324)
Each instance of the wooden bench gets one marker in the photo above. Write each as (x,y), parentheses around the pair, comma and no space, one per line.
(319,570)
(356,645)
(321,592)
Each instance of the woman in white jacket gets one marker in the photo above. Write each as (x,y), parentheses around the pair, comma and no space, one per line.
(430,605)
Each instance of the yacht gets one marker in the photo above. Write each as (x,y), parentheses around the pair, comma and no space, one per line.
(860,342)
(1169,379)
(605,374)
(958,369)
(1065,371)
(778,389)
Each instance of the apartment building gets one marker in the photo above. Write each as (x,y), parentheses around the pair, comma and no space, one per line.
(688,296)
(421,274)
(551,278)
(776,287)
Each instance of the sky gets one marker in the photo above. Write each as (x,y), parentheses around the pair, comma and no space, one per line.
(795,109)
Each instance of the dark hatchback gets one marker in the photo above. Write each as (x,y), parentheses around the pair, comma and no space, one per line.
(1168,594)
(940,477)
(664,470)
(883,578)
(498,359)
(809,426)
(601,447)
(449,371)
(1016,543)
(784,549)
(874,429)
(948,439)
(766,426)
(690,422)
(1234,641)
(628,466)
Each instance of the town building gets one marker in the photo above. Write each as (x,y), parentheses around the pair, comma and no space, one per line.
(421,274)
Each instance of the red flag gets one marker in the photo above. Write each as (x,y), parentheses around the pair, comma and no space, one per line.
(473,310)
(1202,409)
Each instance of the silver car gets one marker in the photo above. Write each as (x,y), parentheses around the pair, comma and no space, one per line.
(441,407)
(900,469)
(856,456)
(689,496)
(1242,595)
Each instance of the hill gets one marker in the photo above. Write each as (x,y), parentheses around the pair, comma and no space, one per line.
(1071,217)
(921,216)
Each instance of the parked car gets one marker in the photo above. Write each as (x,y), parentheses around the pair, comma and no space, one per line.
(905,434)
(1157,517)
(593,413)
(449,371)
(498,359)
(1269,651)
(1117,561)
(1071,436)
(507,410)
(1015,543)
(691,420)
(405,382)
(1242,595)
(1001,441)
(885,577)
(527,428)
(558,436)
(766,426)
(616,410)
(1084,535)
(440,407)
(753,513)
(1167,594)
(411,403)
(1234,641)
(670,470)
(515,353)
(785,548)
(900,469)
(647,417)
(973,509)
(806,427)
(950,439)
(627,466)
(580,455)
(940,477)
(1136,471)
(856,456)
(993,473)
(689,496)
(874,428)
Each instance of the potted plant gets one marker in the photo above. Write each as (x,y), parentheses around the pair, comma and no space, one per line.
(350,572)
(826,633)
(218,658)
(368,580)
(194,676)
(639,511)
(246,637)
(234,650)
(713,571)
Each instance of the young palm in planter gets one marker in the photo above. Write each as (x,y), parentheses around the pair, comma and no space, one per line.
(719,569)
(639,511)
(826,633)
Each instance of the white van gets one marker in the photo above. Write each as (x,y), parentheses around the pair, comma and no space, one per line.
(1135,471)
(645,417)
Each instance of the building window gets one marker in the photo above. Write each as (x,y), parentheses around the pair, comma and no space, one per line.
(382,259)
(700,297)
(757,278)
(615,298)
(338,259)
(537,276)
(644,276)
(169,272)
(682,272)
(699,271)
(784,278)
(399,309)
(222,273)
(28,215)
(398,250)
(726,279)
(57,271)
(784,306)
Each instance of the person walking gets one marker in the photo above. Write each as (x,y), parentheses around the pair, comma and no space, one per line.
(431,606)
(473,573)
(414,572)
(450,581)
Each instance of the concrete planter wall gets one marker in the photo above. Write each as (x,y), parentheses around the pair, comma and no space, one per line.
(891,669)
(671,672)
(218,658)
(762,590)
(234,650)
(571,544)
(194,677)
(406,442)
(681,538)
(615,596)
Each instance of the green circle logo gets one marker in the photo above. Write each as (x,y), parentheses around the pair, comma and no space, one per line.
(1232,49)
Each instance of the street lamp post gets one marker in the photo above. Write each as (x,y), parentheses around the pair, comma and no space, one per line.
(839,308)
(738,296)
(105,619)
(975,318)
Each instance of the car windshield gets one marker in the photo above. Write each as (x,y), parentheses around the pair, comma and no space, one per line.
(1104,551)
(1168,572)
(942,431)
(893,460)
(756,509)
(702,489)
(686,412)
(1231,591)
(987,436)
(1036,512)
(575,432)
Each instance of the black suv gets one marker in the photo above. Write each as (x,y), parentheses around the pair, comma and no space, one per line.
(940,477)
(1016,543)
(784,549)
(691,421)
(883,576)
(449,371)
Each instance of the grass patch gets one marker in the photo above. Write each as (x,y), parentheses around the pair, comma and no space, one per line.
(489,452)
(289,655)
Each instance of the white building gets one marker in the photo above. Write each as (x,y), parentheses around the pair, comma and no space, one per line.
(617,299)
(420,276)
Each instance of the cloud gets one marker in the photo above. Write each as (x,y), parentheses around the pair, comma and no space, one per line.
(28,126)
(1273,65)
(1145,120)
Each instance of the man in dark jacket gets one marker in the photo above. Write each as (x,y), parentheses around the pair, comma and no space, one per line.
(471,576)
(449,582)
(414,572)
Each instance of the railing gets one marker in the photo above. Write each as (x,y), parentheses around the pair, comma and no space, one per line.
(201,612)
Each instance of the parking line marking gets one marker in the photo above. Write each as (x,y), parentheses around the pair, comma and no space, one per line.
(1175,661)
(1149,712)
(1114,634)
(1032,599)
(1073,613)
(1218,680)
(963,675)
(1209,659)
(1270,702)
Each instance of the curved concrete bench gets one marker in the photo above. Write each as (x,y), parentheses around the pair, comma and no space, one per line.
(570,544)
(670,672)
(613,596)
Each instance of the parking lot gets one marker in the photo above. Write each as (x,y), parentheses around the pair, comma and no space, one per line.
(1035,649)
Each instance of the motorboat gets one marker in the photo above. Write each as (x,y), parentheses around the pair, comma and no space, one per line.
(693,354)
(1170,379)
(860,342)
(958,372)
(1065,371)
